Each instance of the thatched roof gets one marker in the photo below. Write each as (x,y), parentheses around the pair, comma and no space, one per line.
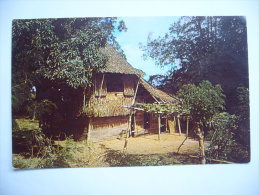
(117,64)
(158,95)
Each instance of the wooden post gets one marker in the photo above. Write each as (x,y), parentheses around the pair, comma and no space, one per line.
(174,119)
(89,129)
(101,87)
(134,124)
(129,125)
(187,128)
(179,125)
(127,134)
(166,124)
(135,94)
(159,126)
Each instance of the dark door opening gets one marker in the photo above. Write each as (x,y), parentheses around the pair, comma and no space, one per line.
(132,126)
(146,120)
(163,125)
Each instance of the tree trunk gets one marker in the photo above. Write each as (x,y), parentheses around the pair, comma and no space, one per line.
(201,146)
(84,100)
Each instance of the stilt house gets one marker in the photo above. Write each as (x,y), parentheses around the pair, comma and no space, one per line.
(108,103)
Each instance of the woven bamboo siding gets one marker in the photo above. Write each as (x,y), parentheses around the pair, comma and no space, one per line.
(100,88)
(129,88)
(107,128)
(153,124)
(139,117)
(114,104)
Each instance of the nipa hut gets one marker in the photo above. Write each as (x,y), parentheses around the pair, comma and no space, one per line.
(108,103)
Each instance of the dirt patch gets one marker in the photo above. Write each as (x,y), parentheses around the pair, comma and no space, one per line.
(149,144)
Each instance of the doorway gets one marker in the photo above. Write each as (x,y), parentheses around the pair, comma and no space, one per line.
(146,120)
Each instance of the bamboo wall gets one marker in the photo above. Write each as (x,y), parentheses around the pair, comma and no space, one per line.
(113,104)
(107,128)
(105,103)
(139,117)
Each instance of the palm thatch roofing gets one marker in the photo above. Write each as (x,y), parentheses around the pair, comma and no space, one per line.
(116,63)
(158,95)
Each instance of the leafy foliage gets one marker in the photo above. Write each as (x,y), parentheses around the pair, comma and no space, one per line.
(212,49)
(223,144)
(60,48)
(20,162)
(244,116)
(38,109)
(202,101)
(33,142)
(203,48)
(53,57)
(157,108)
(61,156)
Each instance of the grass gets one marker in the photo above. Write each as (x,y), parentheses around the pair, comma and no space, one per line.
(116,158)
(69,153)
(27,124)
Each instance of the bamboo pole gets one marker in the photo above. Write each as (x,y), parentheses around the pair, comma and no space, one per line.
(129,124)
(187,128)
(134,124)
(174,118)
(101,87)
(179,125)
(135,94)
(89,129)
(127,134)
(166,124)
(216,160)
(181,144)
(159,126)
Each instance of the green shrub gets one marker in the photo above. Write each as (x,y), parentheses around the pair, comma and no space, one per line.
(61,156)
(223,145)
(20,162)
(32,142)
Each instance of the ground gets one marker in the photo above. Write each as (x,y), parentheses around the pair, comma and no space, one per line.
(149,144)
(148,150)
(144,150)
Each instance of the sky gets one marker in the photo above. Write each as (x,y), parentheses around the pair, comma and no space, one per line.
(138,30)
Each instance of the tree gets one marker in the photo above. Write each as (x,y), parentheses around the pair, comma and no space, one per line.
(222,141)
(243,136)
(224,144)
(202,102)
(212,49)
(52,58)
(204,48)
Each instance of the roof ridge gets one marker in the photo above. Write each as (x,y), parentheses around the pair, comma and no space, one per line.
(116,63)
